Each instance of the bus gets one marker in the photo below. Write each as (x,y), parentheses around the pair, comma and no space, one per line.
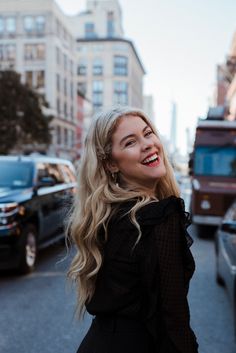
(213,172)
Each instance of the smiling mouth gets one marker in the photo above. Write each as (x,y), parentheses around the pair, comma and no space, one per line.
(151,161)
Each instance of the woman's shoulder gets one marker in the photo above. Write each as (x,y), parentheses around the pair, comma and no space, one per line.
(153,212)
(156,211)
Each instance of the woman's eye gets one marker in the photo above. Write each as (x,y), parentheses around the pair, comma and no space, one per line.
(148,133)
(129,143)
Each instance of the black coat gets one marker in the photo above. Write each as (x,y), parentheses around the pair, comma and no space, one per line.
(149,280)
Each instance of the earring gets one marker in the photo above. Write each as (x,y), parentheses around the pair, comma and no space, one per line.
(114,177)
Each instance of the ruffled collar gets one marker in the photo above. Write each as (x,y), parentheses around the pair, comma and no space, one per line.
(156,211)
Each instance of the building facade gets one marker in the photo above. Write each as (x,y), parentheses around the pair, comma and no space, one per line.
(226,83)
(109,70)
(78,63)
(36,41)
(231,90)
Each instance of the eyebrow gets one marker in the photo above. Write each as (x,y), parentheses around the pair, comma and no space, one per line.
(132,135)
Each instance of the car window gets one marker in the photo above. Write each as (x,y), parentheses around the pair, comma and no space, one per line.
(69,176)
(55,173)
(15,174)
(231,214)
(42,171)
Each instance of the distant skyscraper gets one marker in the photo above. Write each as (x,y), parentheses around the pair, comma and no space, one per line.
(173,128)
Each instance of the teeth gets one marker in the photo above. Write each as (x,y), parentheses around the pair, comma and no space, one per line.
(151,159)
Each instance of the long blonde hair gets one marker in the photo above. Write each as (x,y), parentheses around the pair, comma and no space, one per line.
(98,193)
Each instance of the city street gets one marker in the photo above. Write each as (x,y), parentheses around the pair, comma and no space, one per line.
(111,90)
(37,310)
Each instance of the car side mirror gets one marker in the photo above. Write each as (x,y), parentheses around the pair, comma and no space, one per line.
(46,181)
(229,227)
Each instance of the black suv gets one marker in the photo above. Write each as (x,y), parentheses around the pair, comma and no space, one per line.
(35,193)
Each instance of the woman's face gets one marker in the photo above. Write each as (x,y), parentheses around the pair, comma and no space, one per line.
(137,153)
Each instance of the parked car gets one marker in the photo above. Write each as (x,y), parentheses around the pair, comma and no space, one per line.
(35,193)
(225,245)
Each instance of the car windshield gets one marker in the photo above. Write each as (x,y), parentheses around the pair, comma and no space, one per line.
(15,174)
(215,161)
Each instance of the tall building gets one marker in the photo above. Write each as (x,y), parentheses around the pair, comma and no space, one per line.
(109,70)
(173,129)
(148,106)
(231,91)
(36,41)
(226,82)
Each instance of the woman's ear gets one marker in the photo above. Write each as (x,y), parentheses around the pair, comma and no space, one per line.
(112,167)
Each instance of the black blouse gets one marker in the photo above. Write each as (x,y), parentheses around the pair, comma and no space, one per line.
(149,280)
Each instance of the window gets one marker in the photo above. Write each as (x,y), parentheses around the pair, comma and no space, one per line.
(65,62)
(82,68)
(65,110)
(58,56)
(10,25)
(71,90)
(110,24)
(55,172)
(39,79)
(215,161)
(65,137)
(58,107)
(71,67)
(58,83)
(34,52)
(11,52)
(97,67)
(1,25)
(40,51)
(89,30)
(69,138)
(58,135)
(40,24)
(7,52)
(72,112)
(97,93)
(29,24)
(68,175)
(35,79)
(65,86)
(120,65)
(34,24)
(29,78)
(120,93)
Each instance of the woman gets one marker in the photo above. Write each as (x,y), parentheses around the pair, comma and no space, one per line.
(133,263)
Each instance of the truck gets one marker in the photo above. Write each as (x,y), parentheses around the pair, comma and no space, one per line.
(213,172)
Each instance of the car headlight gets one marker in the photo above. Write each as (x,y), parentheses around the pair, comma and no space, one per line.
(8,209)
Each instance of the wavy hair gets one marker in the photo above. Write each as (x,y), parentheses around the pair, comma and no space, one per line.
(98,195)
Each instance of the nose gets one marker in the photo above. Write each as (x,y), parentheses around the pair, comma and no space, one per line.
(147,144)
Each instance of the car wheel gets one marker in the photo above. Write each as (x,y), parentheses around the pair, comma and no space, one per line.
(202,232)
(205,231)
(28,251)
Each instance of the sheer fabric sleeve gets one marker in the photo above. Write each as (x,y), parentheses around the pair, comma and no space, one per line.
(169,243)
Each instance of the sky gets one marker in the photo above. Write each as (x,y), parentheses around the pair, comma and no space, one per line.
(180,42)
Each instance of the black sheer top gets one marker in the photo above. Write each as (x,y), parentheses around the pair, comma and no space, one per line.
(149,281)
